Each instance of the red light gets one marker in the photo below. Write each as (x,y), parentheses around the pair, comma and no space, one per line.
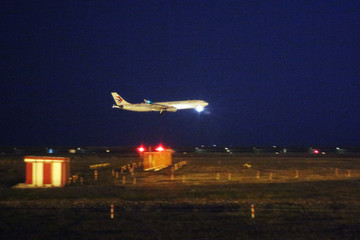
(141,149)
(316,151)
(160,148)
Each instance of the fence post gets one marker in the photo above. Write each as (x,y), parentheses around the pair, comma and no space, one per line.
(217,176)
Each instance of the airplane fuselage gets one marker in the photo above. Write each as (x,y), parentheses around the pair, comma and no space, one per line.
(173,106)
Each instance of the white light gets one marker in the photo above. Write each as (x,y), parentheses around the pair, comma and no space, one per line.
(199,108)
(56,173)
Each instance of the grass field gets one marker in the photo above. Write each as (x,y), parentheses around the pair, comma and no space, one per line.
(306,197)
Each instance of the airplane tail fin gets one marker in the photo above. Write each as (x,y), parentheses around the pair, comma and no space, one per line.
(119,100)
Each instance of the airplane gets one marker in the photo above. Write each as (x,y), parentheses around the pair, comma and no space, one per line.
(148,106)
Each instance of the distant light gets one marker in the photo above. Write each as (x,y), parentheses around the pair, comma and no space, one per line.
(226,148)
(316,151)
(214,145)
(51,150)
(160,148)
(148,101)
(141,149)
(337,148)
(199,108)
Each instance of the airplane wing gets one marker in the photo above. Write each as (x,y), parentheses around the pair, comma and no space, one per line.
(161,107)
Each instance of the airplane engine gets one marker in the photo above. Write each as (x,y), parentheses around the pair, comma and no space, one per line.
(172,109)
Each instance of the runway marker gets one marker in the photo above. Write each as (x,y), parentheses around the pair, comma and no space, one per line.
(217,176)
(172,177)
(270,176)
(183,178)
(113,172)
(296,173)
(134,181)
(349,173)
(95,175)
(116,174)
(123,180)
(336,172)
(229,177)
(252,211)
(112,211)
(258,174)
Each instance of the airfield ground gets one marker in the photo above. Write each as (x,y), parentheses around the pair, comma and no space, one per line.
(307,197)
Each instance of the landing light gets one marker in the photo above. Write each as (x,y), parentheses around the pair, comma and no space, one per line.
(199,108)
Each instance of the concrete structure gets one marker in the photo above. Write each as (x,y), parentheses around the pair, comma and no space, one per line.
(47,171)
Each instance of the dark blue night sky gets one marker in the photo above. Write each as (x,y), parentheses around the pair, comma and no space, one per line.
(274,72)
